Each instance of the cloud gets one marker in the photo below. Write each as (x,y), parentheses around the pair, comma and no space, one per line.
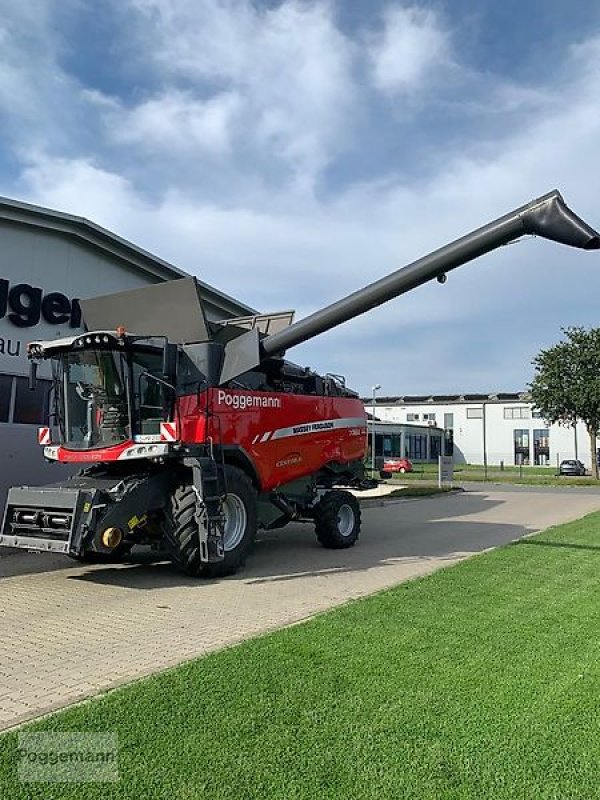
(409,50)
(287,69)
(176,120)
(29,85)
(249,155)
(79,187)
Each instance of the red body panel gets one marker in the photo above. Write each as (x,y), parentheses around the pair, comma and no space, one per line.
(66,456)
(286,436)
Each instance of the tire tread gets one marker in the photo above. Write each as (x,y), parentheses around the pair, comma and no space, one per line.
(326,528)
(181,533)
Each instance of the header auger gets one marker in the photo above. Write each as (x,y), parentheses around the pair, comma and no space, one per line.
(191,434)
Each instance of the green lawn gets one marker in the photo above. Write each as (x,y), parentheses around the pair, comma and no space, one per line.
(528,476)
(480,681)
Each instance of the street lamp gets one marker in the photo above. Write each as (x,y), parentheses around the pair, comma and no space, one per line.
(375,388)
(485,464)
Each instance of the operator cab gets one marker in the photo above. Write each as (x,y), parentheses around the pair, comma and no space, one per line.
(108,389)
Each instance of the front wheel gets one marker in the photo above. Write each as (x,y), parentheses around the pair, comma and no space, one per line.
(337,520)
(181,527)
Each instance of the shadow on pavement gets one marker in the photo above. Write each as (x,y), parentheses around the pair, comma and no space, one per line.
(18,563)
(23,562)
(396,533)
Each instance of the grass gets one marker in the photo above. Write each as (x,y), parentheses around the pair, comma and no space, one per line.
(526,476)
(480,681)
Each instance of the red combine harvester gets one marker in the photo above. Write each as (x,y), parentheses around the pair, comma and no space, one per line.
(192,434)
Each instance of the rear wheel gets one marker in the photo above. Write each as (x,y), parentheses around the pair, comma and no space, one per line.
(181,527)
(337,520)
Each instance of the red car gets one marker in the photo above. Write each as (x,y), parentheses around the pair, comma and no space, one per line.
(397,465)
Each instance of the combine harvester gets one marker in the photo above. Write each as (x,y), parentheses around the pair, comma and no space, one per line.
(190,435)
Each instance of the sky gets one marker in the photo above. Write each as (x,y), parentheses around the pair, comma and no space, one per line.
(291,152)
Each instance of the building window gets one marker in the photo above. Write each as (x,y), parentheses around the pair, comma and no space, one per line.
(449,434)
(521,445)
(429,417)
(536,414)
(391,445)
(386,445)
(541,446)
(474,413)
(5,390)
(412,417)
(378,444)
(517,412)
(31,406)
(416,446)
(449,442)
(394,445)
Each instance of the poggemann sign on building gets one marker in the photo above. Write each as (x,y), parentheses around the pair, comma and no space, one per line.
(25,306)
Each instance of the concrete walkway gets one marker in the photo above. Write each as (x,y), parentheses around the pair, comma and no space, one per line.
(69,631)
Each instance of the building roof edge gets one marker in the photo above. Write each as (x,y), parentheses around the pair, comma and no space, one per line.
(20,212)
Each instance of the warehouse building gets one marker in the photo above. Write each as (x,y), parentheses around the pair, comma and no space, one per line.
(494,428)
(48,262)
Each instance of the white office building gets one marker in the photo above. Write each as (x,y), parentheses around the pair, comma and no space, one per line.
(497,428)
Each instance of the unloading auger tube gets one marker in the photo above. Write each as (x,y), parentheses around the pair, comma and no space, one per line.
(548,216)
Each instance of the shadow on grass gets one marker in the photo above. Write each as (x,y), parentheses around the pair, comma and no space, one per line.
(566,545)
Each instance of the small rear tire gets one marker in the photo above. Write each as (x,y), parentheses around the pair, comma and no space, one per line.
(337,520)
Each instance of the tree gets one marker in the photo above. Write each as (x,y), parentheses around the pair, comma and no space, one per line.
(566,384)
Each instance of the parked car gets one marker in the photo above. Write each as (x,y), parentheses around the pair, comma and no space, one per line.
(571,467)
(397,465)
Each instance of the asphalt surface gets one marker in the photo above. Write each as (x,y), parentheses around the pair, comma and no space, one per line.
(69,631)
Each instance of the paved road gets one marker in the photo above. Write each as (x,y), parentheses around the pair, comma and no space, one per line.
(69,631)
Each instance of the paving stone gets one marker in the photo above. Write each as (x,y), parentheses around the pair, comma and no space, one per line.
(68,630)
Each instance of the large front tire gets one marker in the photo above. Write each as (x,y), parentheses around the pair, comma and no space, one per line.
(337,520)
(181,528)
